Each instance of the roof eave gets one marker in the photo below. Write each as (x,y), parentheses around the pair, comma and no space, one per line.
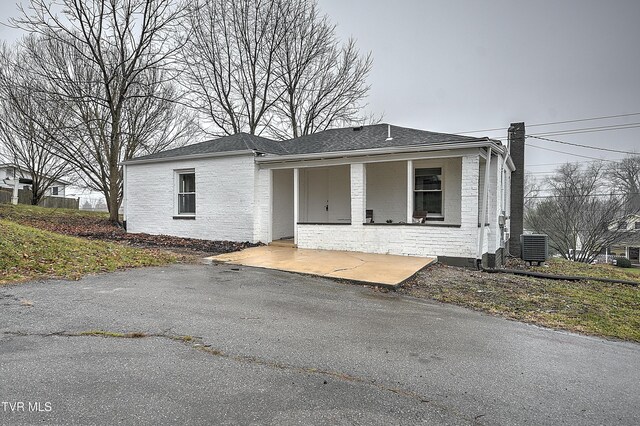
(480,143)
(188,157)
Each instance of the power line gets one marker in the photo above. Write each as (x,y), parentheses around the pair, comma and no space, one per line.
(581,146)
(567,153)
(590,130)
(540,173)
(481,131)
(558,164)
(580,196)
(603,117)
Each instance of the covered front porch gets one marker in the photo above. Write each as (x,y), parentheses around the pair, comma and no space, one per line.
(420,205)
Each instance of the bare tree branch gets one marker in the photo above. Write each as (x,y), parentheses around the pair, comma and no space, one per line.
(272,67)
(324,83)
(24,142)
(107,61)
(579,221)
(625,178)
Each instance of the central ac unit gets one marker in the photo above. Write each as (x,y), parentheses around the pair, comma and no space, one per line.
(535,247)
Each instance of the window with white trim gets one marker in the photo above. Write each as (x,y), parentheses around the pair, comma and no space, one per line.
(186,193)
(427,192)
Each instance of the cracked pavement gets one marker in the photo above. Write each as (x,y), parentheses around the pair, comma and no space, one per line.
(214,344)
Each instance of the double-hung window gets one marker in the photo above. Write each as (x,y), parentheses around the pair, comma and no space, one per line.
(186,193)
(427,192)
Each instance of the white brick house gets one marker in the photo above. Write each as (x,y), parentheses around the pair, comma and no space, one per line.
(379,189)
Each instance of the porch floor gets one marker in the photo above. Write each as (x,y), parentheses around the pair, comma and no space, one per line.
(384,269)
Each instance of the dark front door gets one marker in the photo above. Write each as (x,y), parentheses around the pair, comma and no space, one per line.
(633,254)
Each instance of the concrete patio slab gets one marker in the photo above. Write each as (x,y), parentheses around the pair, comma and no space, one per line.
(382,269)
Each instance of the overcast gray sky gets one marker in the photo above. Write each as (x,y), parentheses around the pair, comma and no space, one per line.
(463,65)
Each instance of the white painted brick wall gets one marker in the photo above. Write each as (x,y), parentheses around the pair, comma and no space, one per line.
(224,198)
(262,211)
(390,239)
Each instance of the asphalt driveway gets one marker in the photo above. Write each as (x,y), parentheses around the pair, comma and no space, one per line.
(269,347)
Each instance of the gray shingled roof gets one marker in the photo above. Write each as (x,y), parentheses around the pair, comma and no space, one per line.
(368,137)
(333,140)
(237,142)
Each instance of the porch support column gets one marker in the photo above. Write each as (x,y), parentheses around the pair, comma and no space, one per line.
(296,203)
(410,191)
(358,193)
(269,224)
(484,204)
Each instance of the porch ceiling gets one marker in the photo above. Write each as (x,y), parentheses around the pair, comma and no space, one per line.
(382,269)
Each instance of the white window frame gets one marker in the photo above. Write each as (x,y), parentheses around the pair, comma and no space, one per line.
(430,216)
(177,193)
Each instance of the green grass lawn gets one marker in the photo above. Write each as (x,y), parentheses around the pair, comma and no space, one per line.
(590,307)
(22,212)
(565,267)
(28,253)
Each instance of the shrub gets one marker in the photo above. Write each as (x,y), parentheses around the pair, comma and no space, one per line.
(623,262)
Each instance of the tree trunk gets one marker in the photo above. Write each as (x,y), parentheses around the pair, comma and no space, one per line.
(112,202)
(113,199)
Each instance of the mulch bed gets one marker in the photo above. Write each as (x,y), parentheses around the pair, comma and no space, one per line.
(102,229)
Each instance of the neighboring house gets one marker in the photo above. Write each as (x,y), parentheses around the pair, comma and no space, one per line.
(630,246)
(378,189)
(11,171)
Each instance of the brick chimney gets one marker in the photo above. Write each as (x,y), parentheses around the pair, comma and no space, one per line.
(516,138)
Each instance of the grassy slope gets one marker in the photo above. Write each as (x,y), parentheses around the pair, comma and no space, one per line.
(564,267)
(24,212)
(604,309)
(29,253)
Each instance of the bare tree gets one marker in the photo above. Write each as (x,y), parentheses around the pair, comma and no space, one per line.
(323,83)
(531,191)
(229,61)
(625,178)
(580,217)
(272,67)
(106,61)
(24,141)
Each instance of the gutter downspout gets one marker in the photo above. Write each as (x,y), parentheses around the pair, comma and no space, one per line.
(507,155)
(485,202)
(503,201)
